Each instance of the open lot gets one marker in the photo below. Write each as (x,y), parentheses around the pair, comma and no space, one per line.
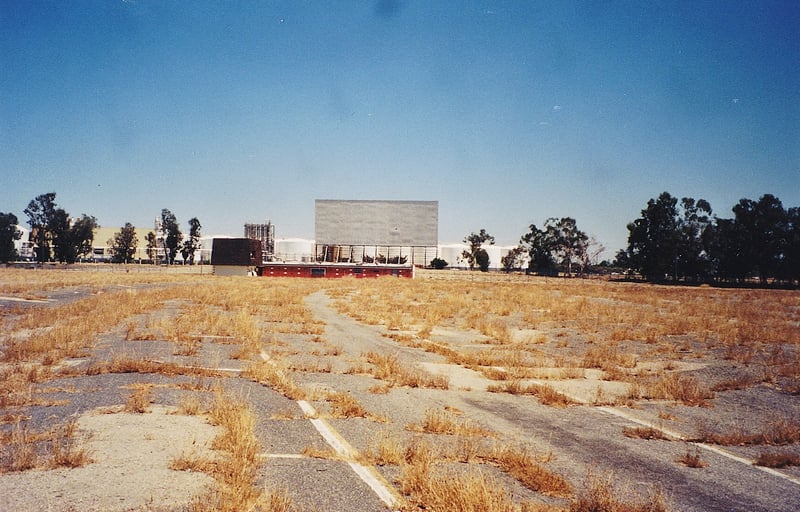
(133,390)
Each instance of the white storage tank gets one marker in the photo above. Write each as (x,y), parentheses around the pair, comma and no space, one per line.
(452,255)
(495,253)
(294,249)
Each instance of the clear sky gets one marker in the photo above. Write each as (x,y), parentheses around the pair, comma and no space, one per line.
(507,113)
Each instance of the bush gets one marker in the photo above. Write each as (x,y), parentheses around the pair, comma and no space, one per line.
(438,263)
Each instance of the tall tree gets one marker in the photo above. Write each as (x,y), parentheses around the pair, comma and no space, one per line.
(152,245)
(571,242)
(695,231)
(171,234)
(654,239)
(541,245)
(762,227)
(514,259)
(71,238)
(9,233)
(41,213)
(123,245)
(791,262)
(475,241)
(82,234)
(191,244)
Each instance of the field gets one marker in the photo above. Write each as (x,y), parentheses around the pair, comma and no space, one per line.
(125,389)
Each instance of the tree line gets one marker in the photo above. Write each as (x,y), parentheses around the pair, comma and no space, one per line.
(672,241)
(685,241)
(558,246)
(59,237)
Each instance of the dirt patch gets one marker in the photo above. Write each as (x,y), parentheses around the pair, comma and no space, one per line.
(130,469)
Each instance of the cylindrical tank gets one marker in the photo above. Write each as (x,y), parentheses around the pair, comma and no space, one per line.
(494,252)
(452,254)
(294,249)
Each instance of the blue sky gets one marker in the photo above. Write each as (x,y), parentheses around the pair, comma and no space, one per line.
(507,113)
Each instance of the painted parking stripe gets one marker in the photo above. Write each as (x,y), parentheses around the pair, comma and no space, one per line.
(368,474)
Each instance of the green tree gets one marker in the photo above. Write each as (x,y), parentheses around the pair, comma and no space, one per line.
(438,263)
(513,260)
(654,239)
(171,234)
(790,269)
(475,241)
(482,259)
(123,245)
(9,233)
(152,245)
(695,227)
(82,234)
(570,242)
(541,245)
(41,213)
(191,244)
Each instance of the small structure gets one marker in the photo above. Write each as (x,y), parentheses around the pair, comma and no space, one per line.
(235,256)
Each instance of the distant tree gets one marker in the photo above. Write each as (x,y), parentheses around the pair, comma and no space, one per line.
(571,242)
(171,233)
(559,242)
(514,259)
(654,239)
(438,263)
(71,238)
(695,228)
(790,268)
(52,225)
(762,227)
(123,245)
(8,234)
(152,246)
(541,245)
(82,234)
(592,253)
(191,244)
(475,241)
(41,213)
(482,259)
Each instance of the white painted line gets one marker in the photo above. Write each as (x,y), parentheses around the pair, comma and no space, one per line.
(368,474)
(33,301)
(711,448)
(678,436)
(282,456)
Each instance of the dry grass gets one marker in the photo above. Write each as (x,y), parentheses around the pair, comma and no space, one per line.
(648,433)
(775,432)
(546,394)
(692,459)
(140,399)
(519,463)
(235,470)
(344,405)
(682,388)
(777,459)
(439,421)
(270,374)
(600,495)
(125,364)
(388,368)
(386,449)
(22,450)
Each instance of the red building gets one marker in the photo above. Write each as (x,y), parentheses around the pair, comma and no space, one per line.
(333,270)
